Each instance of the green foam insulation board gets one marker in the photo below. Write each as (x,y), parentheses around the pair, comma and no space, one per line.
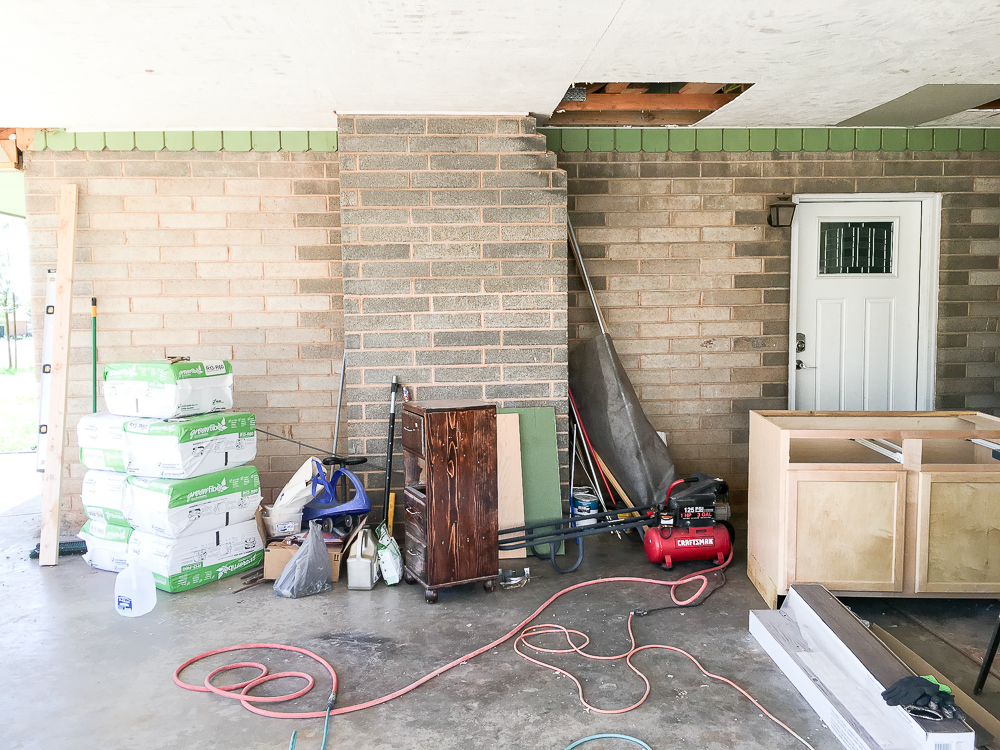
(539,466)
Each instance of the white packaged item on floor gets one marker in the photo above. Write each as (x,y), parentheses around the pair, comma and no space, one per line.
(103,495)
(177,508)
(135,591)
(297,493)
(181,564)
(189,446)
(107,545)
(164,389)
(101,438)
(362,565)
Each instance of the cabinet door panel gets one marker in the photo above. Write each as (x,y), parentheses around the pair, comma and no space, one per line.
(848,533)
(958,533)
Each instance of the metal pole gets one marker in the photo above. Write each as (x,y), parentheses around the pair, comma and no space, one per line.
(13,308)
(93,353)
(583,272)
(590,460)
(340,401)
(388,448)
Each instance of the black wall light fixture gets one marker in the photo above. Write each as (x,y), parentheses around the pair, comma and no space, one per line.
(779,213)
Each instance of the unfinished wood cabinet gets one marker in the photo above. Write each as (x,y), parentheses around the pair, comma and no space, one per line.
(886,503)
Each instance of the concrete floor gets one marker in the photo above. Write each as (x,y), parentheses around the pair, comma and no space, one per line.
(79,676)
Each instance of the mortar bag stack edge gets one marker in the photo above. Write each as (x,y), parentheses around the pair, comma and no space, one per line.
(183,508)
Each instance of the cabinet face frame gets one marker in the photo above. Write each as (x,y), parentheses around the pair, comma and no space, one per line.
(927,479)
(898,478)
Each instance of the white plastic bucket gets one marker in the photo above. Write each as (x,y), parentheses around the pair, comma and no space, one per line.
(281,522)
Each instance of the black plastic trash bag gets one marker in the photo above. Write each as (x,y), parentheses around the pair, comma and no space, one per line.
(308,572)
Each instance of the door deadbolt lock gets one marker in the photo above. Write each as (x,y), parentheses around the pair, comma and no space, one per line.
(800,342)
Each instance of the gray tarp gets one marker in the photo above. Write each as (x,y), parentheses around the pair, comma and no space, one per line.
(615,423)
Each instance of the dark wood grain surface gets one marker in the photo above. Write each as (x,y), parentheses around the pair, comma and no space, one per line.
(451,521)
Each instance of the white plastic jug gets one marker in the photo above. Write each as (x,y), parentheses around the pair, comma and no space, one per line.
(362,565)
(135,591)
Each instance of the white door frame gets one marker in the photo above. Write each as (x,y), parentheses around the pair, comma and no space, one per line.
(930,252)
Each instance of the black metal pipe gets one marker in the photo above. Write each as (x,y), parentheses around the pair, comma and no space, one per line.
(388,448)
(569,533)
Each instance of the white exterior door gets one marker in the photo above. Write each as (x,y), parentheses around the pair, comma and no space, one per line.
(857,300)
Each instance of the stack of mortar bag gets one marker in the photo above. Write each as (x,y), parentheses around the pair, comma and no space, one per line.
(167,483)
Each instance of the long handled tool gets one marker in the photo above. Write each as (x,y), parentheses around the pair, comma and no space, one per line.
(389,498)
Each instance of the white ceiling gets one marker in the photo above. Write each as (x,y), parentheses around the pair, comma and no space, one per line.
(251,64)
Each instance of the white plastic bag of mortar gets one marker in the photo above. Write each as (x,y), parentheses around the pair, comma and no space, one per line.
(189,446)
(101,438)
(103,496)
(177,508)
(164,389)
(390,561)
(107,545)
(297,493)
(308,572)
(182,564)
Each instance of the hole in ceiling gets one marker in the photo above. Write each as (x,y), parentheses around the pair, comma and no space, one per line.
(619,103)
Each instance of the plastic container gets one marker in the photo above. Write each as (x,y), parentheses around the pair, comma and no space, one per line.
(362,565)
(135,591)
(584,504)
(281,522)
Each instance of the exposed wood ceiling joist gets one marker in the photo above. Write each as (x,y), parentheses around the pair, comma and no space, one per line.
(637,119)
(701,88)
(629,102)
(624,103)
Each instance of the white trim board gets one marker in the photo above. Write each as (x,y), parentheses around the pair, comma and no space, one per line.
(837,683)
(930,254)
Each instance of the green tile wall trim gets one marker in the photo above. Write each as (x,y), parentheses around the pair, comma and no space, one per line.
(789,139)
(656,141)
(265,140)
(894,139)
(842,139)
(735,139)
(625,140)
(236,140)
(945,139)
(207,140)
(90,141)
(628,140)
(149,141)
(868,139)
(174,140)
(708,140)
(600,139)
(685,140)
(763,139)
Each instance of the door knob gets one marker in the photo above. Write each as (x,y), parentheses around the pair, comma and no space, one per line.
(800,365)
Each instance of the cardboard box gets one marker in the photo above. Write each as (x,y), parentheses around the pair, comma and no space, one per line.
(277,555)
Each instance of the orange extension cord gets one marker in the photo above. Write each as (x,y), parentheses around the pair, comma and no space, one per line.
(522,631)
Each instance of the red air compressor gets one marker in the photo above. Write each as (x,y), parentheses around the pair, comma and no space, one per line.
(693,525)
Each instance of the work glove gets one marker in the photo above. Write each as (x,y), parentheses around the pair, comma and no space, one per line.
(923,692)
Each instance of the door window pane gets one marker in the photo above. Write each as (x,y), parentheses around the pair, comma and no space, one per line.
(855,247)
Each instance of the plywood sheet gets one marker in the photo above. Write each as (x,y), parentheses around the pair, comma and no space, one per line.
(845,533)
(539,465)
(509,481)
(963,533)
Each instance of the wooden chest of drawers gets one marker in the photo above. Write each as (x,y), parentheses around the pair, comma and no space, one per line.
(450,494)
